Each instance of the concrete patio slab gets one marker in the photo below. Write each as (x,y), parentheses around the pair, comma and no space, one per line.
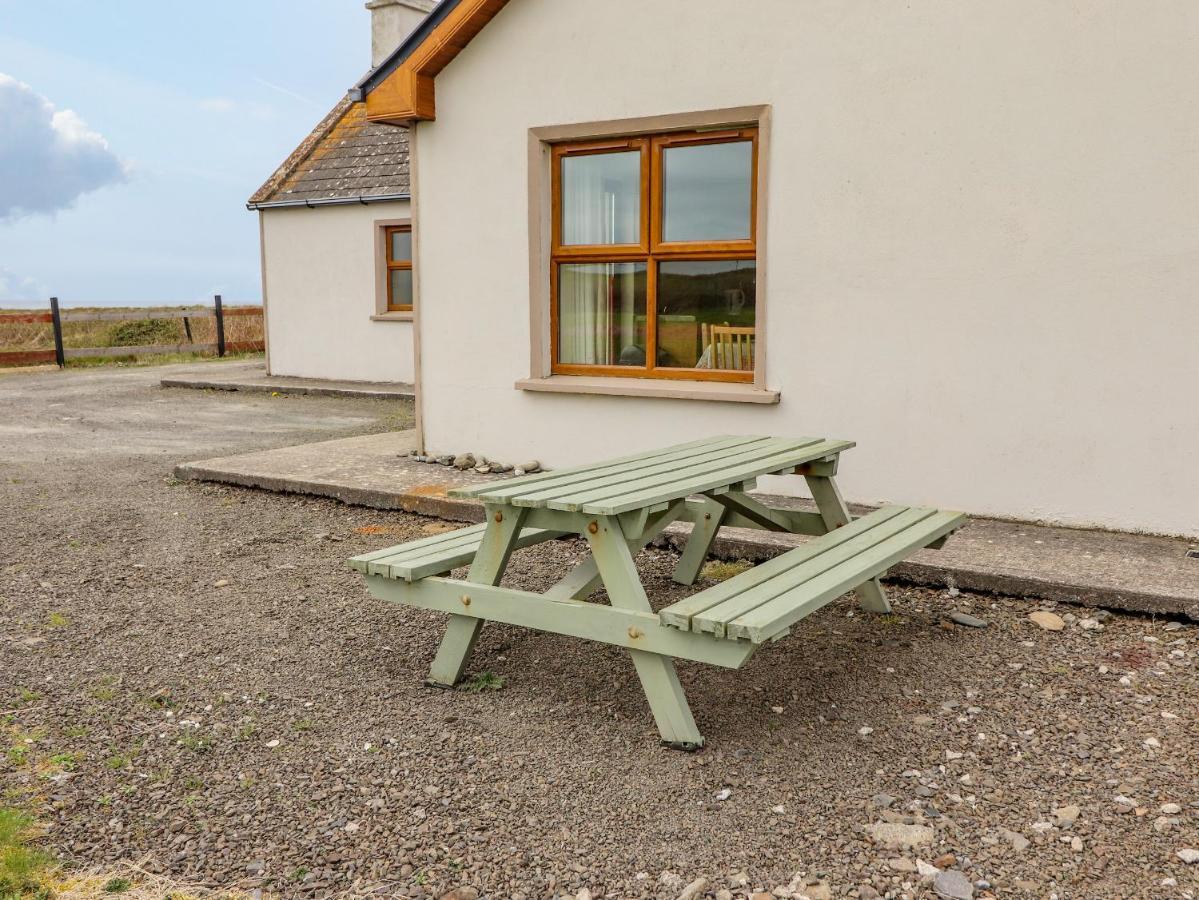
(251,376)
(1141,573)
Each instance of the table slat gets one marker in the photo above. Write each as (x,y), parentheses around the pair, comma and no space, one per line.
(711,478)
(502,492)
(614,481)
(686,471)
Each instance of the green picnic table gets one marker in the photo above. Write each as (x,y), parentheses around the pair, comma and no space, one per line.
(621,505)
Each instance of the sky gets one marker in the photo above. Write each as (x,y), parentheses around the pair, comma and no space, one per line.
(132,132)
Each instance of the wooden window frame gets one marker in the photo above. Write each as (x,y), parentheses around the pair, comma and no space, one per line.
(651,250)
(391,265)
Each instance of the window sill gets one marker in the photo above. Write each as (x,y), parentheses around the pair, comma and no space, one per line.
(392,317)
(650,387)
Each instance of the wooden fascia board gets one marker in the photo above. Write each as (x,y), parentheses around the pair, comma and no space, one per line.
(407,94)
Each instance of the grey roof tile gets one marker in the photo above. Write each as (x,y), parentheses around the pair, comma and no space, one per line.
(344,157)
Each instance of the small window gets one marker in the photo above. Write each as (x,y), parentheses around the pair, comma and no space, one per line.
(654,250)
(398,239)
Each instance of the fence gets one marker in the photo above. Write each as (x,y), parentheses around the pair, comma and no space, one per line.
(61,353)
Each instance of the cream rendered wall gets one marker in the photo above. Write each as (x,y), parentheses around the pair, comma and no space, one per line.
(320,275)
(983,240)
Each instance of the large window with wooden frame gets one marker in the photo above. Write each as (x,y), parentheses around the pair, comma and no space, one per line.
(398,241)
(653,256)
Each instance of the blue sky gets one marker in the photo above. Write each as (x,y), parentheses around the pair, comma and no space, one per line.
(197,102)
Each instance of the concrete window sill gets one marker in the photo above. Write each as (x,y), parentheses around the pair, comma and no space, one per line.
(392,317)
(650,387)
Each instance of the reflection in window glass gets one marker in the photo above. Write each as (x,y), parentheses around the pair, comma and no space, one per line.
(706,192)
(706,314)
(601,198)
(601,314)
(401,287)
(401,246)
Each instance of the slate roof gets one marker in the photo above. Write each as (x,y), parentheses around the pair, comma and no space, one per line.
(344,158)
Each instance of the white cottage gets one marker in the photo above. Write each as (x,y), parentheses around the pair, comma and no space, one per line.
(336,235)
(961,234)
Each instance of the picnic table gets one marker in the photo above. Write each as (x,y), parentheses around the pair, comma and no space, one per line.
(621,505)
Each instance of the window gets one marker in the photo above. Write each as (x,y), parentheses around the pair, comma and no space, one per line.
(653,256)
(398,241)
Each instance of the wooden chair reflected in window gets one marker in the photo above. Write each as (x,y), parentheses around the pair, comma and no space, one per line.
(729,347)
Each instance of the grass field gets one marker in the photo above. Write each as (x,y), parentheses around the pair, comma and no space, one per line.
(143,329)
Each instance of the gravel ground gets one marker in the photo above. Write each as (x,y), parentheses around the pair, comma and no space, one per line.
(191,675)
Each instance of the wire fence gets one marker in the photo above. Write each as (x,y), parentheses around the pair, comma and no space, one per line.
(30,337)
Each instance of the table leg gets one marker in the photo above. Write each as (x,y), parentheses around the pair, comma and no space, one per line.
(584,579)
(499,540)
(699,544)
(658,677)
(835,514)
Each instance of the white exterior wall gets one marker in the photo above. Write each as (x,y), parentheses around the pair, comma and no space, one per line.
(982,241)
(321,292)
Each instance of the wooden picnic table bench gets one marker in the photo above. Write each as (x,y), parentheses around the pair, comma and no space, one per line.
(621,505)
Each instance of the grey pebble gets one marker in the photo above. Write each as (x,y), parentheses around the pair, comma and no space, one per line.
(953,884)
(966,619)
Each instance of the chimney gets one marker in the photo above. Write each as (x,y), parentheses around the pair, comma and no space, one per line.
(392,21)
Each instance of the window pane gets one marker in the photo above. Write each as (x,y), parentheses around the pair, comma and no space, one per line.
(706,315)
(601,198)
(601,314)
(401,287)
(706,192)
(401,246)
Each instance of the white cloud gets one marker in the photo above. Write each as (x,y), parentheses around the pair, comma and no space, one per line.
(48,157)
(14,287)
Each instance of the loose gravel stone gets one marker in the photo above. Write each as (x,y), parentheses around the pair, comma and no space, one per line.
(969,621)
(954,885)
(899,835)
(1065,816)
(1018,841)
(1047,620)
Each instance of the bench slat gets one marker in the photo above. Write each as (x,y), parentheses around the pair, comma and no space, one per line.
(500,493)
(613,479)
(359,563)
(680,614)
(438,554)
(707,478)
(404,555)
(837,552)
(787,609)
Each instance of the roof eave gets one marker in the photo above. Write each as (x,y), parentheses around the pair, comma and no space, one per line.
(371,79)
(328,201)
(400,91)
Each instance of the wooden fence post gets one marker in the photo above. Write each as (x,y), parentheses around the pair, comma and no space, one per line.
(60,355)
(220,326)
